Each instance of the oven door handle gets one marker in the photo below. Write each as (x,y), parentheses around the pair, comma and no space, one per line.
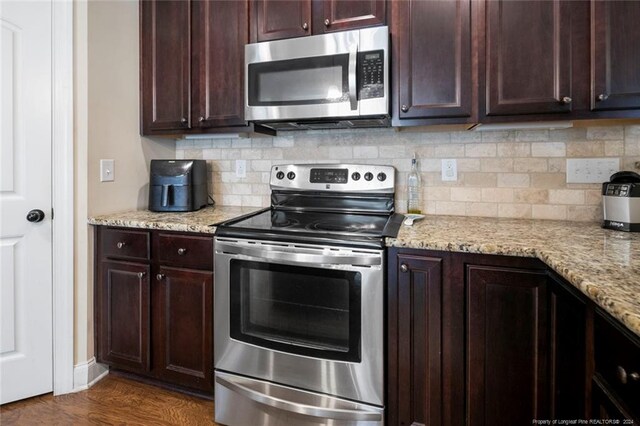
(270,254)
(300,409)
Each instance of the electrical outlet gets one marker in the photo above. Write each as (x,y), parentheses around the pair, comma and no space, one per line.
(591,170)
(107,170)
(449,170)
(241,168)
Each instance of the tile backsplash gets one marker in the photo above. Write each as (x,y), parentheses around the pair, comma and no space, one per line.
(515,173)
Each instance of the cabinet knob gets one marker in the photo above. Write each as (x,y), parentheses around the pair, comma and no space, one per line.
(201,119)
(404,267)
(327,22)
(141,274)
(183,120)
(625,378)
(182,251)
(121,244)
(305,26)
(160,277)
(566,100)
(404,108)
(602,97)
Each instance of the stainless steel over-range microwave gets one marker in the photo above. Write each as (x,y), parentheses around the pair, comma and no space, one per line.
(331,80)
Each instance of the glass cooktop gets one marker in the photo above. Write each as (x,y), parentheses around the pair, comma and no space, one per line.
(284,225)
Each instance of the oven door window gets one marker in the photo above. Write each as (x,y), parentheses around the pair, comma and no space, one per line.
(306,81)
(301,310)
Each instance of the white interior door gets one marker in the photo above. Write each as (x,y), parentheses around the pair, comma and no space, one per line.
(25,184)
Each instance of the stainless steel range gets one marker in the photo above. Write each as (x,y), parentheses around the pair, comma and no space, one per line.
(299,300)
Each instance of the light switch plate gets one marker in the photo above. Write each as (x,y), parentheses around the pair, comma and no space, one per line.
(591,170)
(449,170)
(107,170)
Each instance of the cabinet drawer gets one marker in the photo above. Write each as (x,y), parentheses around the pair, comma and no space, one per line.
(618,363)
(125,244)
(184,251)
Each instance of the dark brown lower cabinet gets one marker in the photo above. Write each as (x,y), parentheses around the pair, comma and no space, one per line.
(483,340)
(125,318)
(506,344)
(184,340)
(415,340)
(154,305)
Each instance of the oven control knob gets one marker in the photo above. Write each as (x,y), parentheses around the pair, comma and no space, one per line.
(355,176)
(368,176)
(291,176)
(280,175)
(382,177)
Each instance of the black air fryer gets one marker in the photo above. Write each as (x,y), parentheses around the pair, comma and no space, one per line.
(178,185)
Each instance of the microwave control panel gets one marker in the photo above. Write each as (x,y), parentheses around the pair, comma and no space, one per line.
(371,74)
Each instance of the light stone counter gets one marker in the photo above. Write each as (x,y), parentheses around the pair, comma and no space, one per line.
(198,221)
(603,264)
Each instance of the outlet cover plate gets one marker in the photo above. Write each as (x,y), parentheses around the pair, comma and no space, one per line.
(591,170)
(241,168)
(449,170)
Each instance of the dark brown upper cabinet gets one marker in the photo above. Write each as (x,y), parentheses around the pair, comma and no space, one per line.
(192,65)
(342,15)
(165,56)
(432,51)
(277,19)
(528,57)
(615,55)
(280,19)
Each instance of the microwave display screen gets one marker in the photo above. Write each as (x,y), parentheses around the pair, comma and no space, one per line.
(302,81)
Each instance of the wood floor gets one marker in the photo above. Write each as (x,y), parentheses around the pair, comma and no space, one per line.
(115,400)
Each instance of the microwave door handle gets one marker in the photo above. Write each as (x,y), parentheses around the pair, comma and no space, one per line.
(309,411)
(353,62)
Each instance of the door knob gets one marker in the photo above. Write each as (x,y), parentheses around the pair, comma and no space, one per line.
(305,26)
(404,267)
(160,277)
(566,100)
(182,251)
(35,215)
(602,97)
(327,22)
(404,108)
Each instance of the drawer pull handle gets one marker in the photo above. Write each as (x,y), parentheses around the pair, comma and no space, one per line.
(404,267)
(141,274)
(121,244)
(182,251)
(160,277)
(625,378)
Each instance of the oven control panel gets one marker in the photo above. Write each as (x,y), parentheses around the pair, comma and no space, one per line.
(334,177)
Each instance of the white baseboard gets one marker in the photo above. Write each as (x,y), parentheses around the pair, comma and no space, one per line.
(87,374)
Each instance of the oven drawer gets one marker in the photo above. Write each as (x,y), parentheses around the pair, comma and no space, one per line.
(125,244)
(618,363)
(185,251)
(241,400)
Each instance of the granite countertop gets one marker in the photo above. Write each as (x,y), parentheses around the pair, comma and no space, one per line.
(198,221)
(603,264)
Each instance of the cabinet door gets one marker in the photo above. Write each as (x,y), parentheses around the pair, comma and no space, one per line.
(568,368)
(506,311)
(124,317)
(528,57)
(220,31)
(184,327)
(432,47)
(343,15)
(615,53)
(415,340)
(276,19)
(165,55)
